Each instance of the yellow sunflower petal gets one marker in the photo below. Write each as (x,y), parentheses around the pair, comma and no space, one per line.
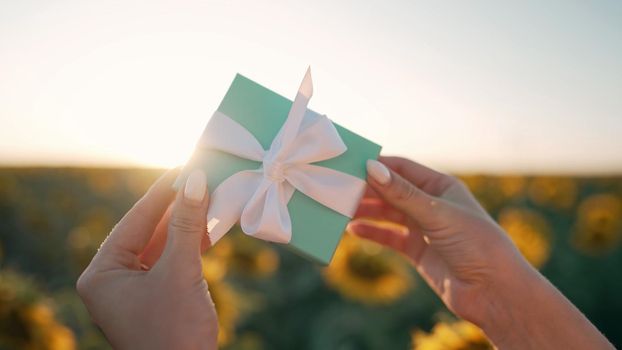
(598,228)
(365,272)
(530,232)
(459,335)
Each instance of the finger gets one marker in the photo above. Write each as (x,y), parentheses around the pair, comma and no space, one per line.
(379,210)
(435,183)
(205,243)
(410,244)
(428,180)
(370,193)
(135,229)
(188,227)
(426,210)
(154,249)
(386,236)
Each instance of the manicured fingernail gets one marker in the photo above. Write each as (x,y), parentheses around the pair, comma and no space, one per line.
(378,171)
(196,184)
(144,267)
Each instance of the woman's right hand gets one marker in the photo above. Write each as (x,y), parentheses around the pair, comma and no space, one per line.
(467,259)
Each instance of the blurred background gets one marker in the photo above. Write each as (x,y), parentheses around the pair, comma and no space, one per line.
(521,100)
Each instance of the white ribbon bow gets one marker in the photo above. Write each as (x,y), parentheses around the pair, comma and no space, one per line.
(258,198)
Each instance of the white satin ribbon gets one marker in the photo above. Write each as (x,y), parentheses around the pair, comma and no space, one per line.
(258,198)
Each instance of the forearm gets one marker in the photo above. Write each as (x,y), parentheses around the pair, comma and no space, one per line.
(533,314)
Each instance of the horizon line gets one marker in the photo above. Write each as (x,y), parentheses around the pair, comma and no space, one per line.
(475,170)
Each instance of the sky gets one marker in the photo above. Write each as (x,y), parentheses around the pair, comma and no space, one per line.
(463,86)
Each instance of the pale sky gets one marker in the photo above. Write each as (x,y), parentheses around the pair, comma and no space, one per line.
(492,86)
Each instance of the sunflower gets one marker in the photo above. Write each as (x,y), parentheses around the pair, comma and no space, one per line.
(556,192)
(493,192)
(599,224)
(46,329)
(366,272)
(459,335)
(482,188)
(225,299)
(26,319)
(246,255)
(475,183)
(512,186)
(530,232)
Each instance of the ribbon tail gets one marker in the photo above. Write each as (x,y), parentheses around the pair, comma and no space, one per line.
(338,191)
(227,202)
(291,126)
(266,215)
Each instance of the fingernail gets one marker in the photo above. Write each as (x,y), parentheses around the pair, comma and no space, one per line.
(196,184)
(144,267)
(378,171)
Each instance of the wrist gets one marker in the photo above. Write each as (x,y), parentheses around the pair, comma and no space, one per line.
(510,320)
(513,300)
(527,312)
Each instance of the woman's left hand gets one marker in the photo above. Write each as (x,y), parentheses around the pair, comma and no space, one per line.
(166,306)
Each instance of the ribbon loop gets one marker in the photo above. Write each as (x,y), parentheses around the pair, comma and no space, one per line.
(258,198)
(218,135)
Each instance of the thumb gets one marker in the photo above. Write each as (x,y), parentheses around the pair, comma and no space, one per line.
(426,210)
(187,226)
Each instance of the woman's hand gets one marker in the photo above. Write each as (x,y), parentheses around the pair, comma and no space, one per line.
(451,240)
(167,306)
(467,259)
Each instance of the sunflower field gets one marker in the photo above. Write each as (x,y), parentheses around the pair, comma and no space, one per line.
(52,220)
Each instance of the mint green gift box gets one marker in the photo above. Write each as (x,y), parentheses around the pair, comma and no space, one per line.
(316,229)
